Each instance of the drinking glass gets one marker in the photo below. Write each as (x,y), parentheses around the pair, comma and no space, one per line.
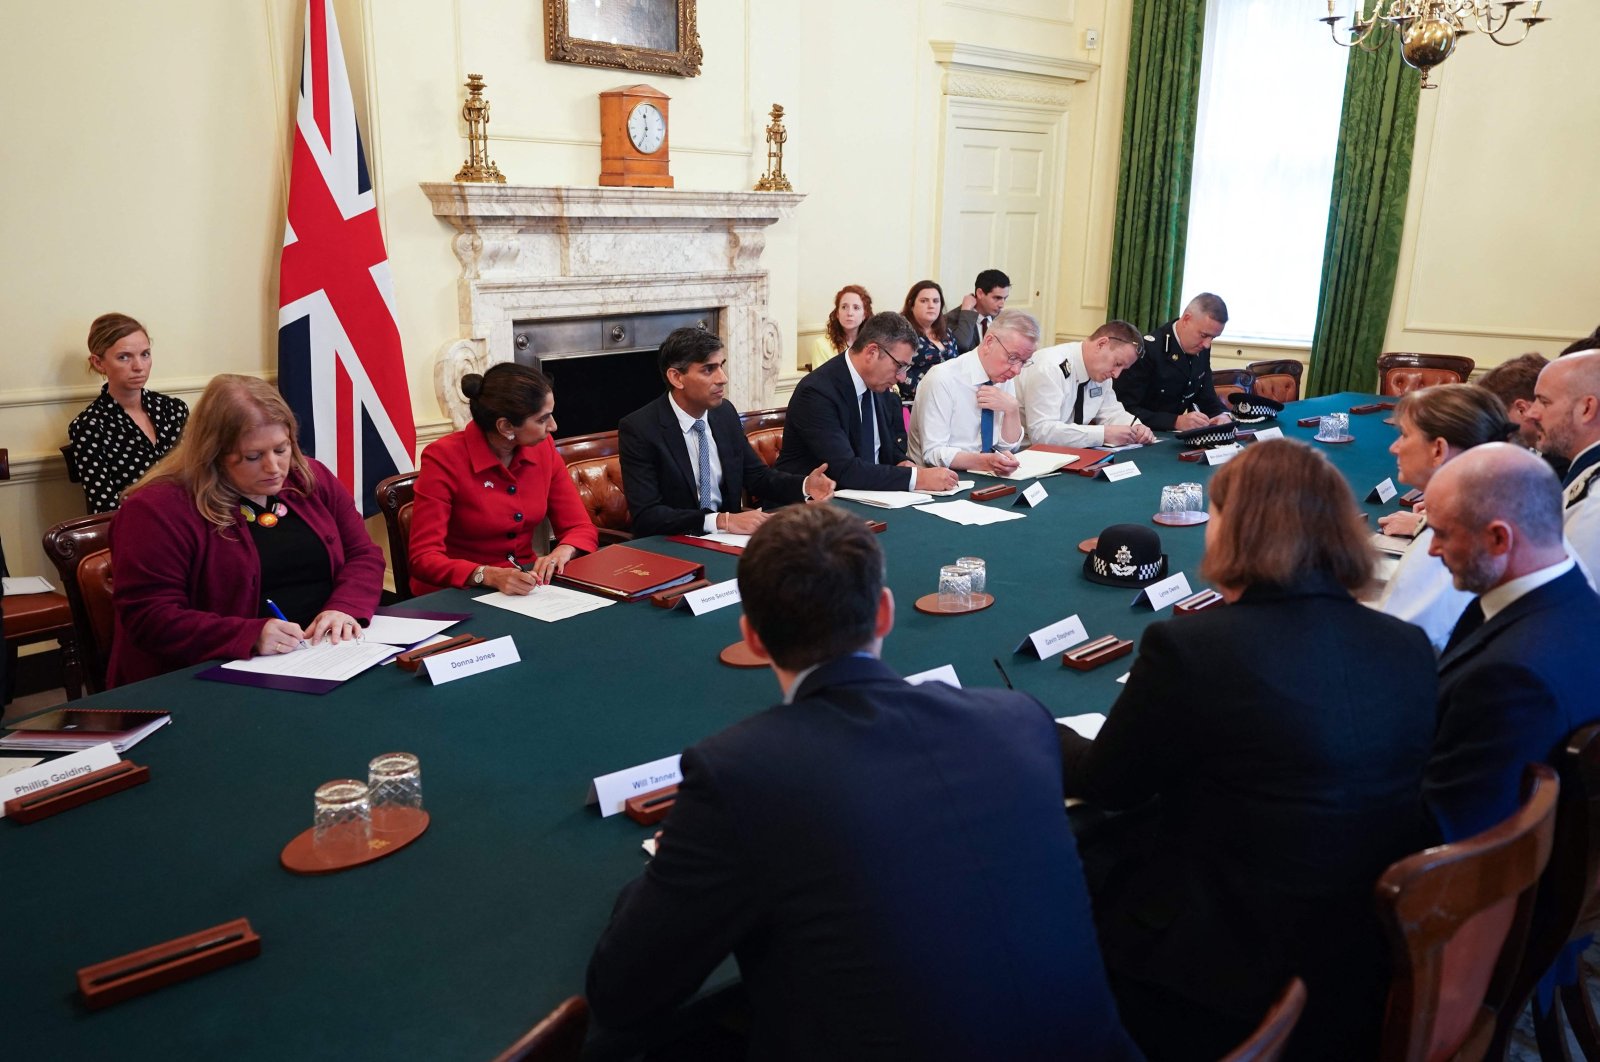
(395,783)
(955,589)
(975,568)
(1333,426)
(343,822)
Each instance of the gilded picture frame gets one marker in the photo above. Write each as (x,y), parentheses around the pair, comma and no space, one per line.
(650,36)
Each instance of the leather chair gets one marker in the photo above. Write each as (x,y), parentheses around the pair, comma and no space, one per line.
(395,496)
(764,429)
(557,1038)
(80,550)
(1457,917)
(72,466)
(596,470)
(1271,1038)
(1278,380)
(1399,373)
(1227,382)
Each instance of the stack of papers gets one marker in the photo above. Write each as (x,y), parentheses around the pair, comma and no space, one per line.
(1031,464)
(970,513)
(885,499)
(1391,544)
(72,729)
(548,603)
(325,660)
(27,584)
(727,539)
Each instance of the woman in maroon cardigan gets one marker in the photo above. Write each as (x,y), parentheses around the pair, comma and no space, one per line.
(484,489)
(232,523)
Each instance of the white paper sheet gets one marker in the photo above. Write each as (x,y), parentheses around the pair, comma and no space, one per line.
(1087,725)
(17,763)
(969,512)
(324,660)
(28,584)
(1031,464)
(1392,544)
(728,539)
(961,485)
(404,631)
(548,603)
(885,499)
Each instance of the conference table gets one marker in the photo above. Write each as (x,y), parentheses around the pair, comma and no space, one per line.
(456,945)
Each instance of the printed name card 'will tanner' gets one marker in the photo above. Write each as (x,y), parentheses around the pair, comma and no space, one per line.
(471,660)
(611,791)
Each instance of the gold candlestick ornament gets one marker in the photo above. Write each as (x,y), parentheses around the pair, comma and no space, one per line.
(774,180)
(478,167)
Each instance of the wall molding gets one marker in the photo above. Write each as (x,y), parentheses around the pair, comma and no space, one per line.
(1068,9)
(82,394)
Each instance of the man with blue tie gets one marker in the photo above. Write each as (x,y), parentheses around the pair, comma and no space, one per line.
(843,415)
(685,458)
(1566,409)
(966,415)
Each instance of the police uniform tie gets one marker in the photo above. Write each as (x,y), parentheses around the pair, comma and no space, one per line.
(699,428)
(986,423)
(1077,406)
(867,449)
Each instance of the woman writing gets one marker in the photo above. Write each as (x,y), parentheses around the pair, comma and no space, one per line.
(851,306)
(235,526)
(924,308)
(1282,736)
(484,489)
(129,427)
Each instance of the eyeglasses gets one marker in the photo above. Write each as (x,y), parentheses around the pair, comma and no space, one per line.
(901,368)
(1021,363)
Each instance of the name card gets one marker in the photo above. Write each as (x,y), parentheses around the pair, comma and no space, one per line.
(1159,595)
(710,598)
(946,675)
(1221,455)
(32,779)
(1124,679)
(1054,638)
(1115,472)
(1087,725)
(1383,492)
(471,660)
(1032,496)
(612,790)
(1263,434)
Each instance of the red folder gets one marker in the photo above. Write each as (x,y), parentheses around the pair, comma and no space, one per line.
(626,573)
(1089,462)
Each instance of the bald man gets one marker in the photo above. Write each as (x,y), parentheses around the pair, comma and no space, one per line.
(1520,672)
(1566,408)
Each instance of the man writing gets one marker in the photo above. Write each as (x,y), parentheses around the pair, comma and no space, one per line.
(966,415)
(843,417)
(1566,409)
(802,843)
(1170,387)
(970,322)
(1066,396)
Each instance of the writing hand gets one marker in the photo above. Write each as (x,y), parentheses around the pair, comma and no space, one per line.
(937,479)
(512,581)
(1190,420)
(1402,525)
(744,523)
(278,636)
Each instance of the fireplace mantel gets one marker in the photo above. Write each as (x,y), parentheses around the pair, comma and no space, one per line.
(531,253)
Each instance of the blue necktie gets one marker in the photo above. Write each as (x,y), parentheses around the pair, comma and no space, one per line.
(699,428)
(986,424)
(868,450)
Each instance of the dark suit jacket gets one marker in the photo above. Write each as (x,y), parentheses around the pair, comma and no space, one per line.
(963,328)
(1509,694)
(659,480)
(824,425)
(891,866)
(1166,382)
(1285,736)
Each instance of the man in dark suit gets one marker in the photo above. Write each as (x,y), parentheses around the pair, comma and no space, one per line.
(844,416)
(890,864)
(685,458)
(969,323)
(1169,387)
(1520,672)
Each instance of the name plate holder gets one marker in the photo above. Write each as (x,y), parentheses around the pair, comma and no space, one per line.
(1371,407)
(991,493)
(402,826)
(63,796)
(647,809)
(412,659)
(673,596)
(877,527)
(1094,653)
(1410,498)
(155,967)
(1309,422)
(1198,603)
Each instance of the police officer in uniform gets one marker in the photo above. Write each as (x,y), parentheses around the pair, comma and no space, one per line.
(1169,388)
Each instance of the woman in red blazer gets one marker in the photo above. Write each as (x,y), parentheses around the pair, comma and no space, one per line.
(485,488)
(234,523)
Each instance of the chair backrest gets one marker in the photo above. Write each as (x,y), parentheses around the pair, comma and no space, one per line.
(80,550)
(5,463)
(764,429)
(1457,917)
(72,465)
(1227,382)
(558,1038)
(1271,1038)
(1399,373)
(395,496)
(596,470)
(1278,380)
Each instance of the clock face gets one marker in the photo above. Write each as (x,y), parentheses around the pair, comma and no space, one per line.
(647,128)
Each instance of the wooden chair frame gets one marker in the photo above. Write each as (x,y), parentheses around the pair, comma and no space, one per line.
(1453,363)
(68,544)
(1271,1038)
(394,494)
(557,1038)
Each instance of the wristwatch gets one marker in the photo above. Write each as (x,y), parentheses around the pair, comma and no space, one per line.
(477,574)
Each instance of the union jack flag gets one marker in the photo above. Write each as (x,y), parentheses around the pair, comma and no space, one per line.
(339,360)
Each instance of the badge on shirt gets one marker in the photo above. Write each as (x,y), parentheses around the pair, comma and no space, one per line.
(1094,390)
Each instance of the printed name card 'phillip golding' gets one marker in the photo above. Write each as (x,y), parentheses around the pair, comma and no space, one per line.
(32,779)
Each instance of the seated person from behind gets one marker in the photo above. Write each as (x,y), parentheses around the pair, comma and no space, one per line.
(1284,734)
(966,416)
(236,516)
(129,427)
(1566,407)
(969,322)
(844,415)
(1169,388)
(802,843)
(685,459)
(484,490)
(1067,397)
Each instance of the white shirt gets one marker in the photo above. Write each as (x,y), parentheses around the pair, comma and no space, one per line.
(1506,594)
(945,419)
(877,440)
(686,423)
(1048,391)
(1581,519)
(1421,591)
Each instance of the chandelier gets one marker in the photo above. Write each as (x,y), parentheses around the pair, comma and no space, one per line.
(1428,29)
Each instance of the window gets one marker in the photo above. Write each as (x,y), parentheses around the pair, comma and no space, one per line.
(1271,88)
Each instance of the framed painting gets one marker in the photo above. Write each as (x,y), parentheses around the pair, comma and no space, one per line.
(650,36)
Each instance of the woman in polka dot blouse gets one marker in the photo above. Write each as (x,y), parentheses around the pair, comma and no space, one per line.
(129,427)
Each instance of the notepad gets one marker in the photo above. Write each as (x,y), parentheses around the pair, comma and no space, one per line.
(969,512)
(1031,464)
(27,584)
(404,631)
(885,499)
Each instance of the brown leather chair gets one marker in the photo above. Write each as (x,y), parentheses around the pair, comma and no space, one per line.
(395,496)
(1399,373)
(1277,380)
(558,1038)
(1271,1038)
(596,470)
(1457,917)
(80,550)
(1227,382)
(764,429)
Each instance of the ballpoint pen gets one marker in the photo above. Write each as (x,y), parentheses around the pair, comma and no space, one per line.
(512,557)
(278,612)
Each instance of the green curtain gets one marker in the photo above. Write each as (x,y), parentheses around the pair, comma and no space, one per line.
(1371,179)
(1158,127)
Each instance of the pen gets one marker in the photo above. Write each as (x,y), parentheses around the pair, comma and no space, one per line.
(1003,676)
(276,611)
(512,557)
